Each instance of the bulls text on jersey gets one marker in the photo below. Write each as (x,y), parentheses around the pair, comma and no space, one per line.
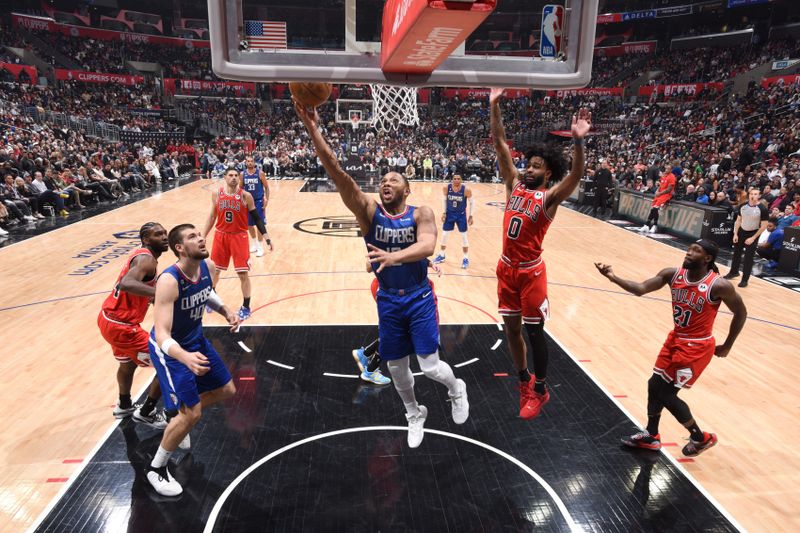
(234,205)
(689,298)
(520,204)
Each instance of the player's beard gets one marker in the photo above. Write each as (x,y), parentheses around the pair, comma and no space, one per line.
(199,255)
(534,182)
(688,264)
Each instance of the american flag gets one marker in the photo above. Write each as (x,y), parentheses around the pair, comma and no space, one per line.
(264,34)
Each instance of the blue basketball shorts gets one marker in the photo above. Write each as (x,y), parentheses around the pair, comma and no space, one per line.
(178,385)
(259,203)
(407,324)
(459,220)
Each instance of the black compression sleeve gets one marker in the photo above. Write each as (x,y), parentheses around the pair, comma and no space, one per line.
(259,222)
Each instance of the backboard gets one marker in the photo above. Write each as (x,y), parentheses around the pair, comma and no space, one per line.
(340,41)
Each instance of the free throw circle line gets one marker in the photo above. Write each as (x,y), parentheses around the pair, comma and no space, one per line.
(212,518)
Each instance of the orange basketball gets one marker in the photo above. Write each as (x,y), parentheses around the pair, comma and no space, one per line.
(310,94)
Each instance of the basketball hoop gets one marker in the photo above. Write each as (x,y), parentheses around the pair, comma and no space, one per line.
(394,106)
(354,120)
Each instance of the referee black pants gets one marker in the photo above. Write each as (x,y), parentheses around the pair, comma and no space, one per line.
(749,253)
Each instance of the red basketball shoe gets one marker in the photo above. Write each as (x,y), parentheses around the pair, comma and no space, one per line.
(643,440)
(531,402)
(696,448)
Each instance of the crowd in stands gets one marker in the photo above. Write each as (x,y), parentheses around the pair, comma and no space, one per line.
(51,171)
(113,104)
(96,55)
(714,64)
(717,147)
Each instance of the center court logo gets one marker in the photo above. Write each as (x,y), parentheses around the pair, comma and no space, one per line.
(330,226)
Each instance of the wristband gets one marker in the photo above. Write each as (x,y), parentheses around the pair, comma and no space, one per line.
(214,301)
(168,343)
(577,142)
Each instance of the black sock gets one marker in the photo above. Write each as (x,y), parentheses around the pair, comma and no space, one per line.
(246,302)
(524,375)
(652,424)
(371,348)
(696,433)
(539,386)
(148,406)
(374,362)
(125,401)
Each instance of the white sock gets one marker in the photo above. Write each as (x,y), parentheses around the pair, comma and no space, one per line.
(466,255)
(161,457)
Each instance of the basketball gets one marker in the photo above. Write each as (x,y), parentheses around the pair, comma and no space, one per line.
(310,94)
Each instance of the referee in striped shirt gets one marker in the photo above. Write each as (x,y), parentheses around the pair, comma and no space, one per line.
(751,221)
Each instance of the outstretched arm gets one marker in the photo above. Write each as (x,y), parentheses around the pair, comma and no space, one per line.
(581,124)
(356,201)
(723,290)
(507,169)
(634,287)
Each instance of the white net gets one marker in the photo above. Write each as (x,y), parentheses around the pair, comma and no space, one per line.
(394,106)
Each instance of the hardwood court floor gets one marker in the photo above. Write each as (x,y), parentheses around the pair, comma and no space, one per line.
(57,383)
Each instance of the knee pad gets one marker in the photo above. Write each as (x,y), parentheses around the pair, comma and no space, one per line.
(445,235)
(464,240)
(430,365)
(401,373)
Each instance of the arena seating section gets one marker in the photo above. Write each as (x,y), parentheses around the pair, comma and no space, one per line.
(81,134)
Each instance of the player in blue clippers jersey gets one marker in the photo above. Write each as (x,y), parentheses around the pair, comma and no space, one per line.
(255,182)
(187,365)
(399,240)
(456,197)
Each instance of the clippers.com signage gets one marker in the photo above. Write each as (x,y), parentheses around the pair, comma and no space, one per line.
(97,77)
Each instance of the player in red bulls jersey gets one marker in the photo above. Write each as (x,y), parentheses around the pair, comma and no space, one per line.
(666,188)
(697,290)
(521,275)
(230,208)
(120,323)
